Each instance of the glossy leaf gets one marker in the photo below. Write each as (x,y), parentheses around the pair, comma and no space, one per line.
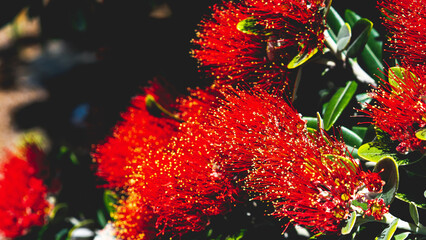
(349,224)
(421,134)
(401,236)
(372,53)
(301,58)
(250,26)
(343,37)
(338,103)
(350,137)
(334,23)
(373,152)
(395,73)
(389,231)
(360,33)
(373,43)
(414,213)
(388,170)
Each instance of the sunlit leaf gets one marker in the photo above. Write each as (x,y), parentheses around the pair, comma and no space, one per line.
(396,74)
(389,231)
(349,224)
(250,26)
(343,37)
(301,58)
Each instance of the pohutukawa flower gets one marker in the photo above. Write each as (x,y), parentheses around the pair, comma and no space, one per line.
(400,109)
(169,188)
(405,20)
(253,41)
(308,177)
(24,196)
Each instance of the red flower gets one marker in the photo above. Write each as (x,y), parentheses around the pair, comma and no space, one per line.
(23,203)
(400,111)
(134,139)
(260,56)
(377,208)
(170,189)
(406,22)
(308,177)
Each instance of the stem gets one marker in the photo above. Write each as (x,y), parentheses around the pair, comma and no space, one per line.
(388,218)
(359,73)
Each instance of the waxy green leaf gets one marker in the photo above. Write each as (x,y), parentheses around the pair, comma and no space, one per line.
(349,224)
(250,26)
(360,33)
(396,74)
(389,231)
(338,103)
(414,213)
(334,23)
(301,58)
(343,37)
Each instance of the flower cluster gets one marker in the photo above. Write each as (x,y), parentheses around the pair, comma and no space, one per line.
(406,21)
(169,188)
(231,141)
(400,103)
(404,101)
(24,196)
(252,42)
(308,177)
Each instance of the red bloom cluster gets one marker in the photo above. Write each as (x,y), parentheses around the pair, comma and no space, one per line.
(308,177)
(400,109)
(405,20)
(170,189)
(259,56)
(229,140)
(23,203)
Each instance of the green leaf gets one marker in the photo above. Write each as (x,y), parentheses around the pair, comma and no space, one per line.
(421,134)
(389,231)
(414,213)
(301,58)
(360,131)
(401,236)
(373,152)
(396,74)
(349,224)
(343,37)
(362,205)
(374,45)
(360,32)
(61,234)
(372,53)
(350,137)
(334,23)
(338,103)
(110,200)
(409,199)
(388,170)
(250,26)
